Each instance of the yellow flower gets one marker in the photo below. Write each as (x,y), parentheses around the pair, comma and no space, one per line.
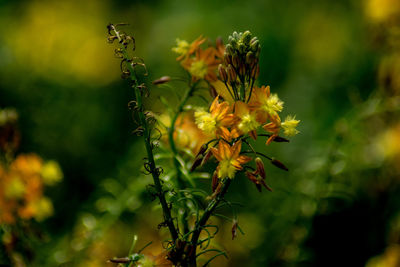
(289,126)
(15,189)
(184,49)
(217,120)
(266,103)
(229,159)
(51,173)
(203,65)
(43,208)
(247,119)
(273,127)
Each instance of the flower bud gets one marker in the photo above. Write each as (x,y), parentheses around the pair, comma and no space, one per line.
(234,229)
(246,37)
(235,60)
(242,48)
(202,150)
(255,45)
(197,162)
(227,58)
(280,139)
(279,164)
(231,74)
(229,49)
(213,92)
(260,167)
(222,73)
(250,58)
(255,71)
(253,40)
(215,181)
(206,158)
(162,80)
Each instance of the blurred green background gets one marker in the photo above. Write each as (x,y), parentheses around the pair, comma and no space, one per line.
(334,63)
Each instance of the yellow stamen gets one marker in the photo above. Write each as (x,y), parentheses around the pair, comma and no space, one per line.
(182,47)
(198,69)
(205,121)
(248,123)
(226,169)
(289,126)
(273,105)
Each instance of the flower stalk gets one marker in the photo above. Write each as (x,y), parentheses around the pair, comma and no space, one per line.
(146,133)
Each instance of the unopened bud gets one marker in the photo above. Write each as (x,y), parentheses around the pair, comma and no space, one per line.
(234,229)
(266,186)
(255,45)
(235,35)
(260,167)
(222,73)
(206,158)
(255,71)
(231,74)
(279,164)
(280,139)
(227,59)
(213,92)
(229,49)
(246,37)
(250,58)
(253,40)
(242,48)
(235,60)
(215,181)
(196,163)
(162,80)
(203,149)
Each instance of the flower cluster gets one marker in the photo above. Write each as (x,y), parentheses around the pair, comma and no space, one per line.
(240,109)
(21,188)
(23,178)
(200,63)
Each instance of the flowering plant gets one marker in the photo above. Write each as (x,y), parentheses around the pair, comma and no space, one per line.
(239,111)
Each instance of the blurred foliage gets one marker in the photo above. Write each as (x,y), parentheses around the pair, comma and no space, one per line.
(336,64)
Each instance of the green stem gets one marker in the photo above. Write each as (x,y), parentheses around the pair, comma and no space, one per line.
(181,182)
(147,141)
(206,215)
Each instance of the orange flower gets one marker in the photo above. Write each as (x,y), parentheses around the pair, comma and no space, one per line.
(247,120)
(229,159)
(273,127)
(268,105)
(184,49)
(187,135)
(217,120)
(203,65)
